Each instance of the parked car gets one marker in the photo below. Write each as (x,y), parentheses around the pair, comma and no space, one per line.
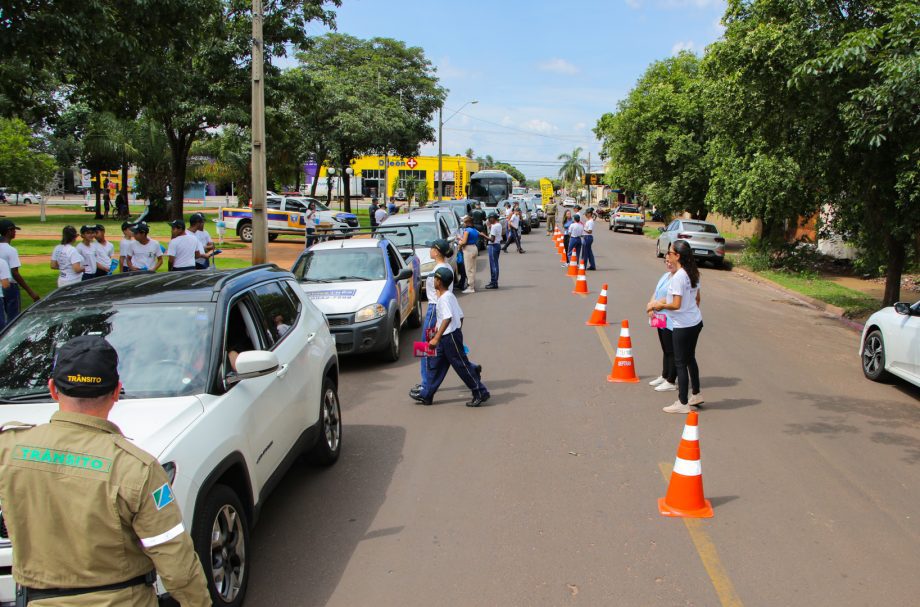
(427,226)
(627,217)
(890,343)
(21,197)
(568,202)
(537,202)
(286,216)
(225,433)
(460,207)
(400,194)
(367,291)
(533,216)
(703,237)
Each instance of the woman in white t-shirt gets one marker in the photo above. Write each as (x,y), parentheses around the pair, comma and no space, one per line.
(683,306)
(66,259)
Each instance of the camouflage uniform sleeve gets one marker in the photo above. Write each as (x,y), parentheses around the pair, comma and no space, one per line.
(158,524)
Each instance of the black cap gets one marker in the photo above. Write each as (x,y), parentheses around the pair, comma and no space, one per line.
(493,215)
(86,367)
(196,218)
(6,225)
(445,275)
(177,223)
(140,226)
(100,227)
(87,228)
(442,246)
(125,225)
(577,217)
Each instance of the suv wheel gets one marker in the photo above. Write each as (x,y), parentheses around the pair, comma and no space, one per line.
(658,252)
(391,353)
(245,232)
(221,536)
(329,444)
(415,320)
(873,357)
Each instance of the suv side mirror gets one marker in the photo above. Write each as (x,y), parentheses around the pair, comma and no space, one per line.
(902,308)
(660,230)
(254,363)
(404,274)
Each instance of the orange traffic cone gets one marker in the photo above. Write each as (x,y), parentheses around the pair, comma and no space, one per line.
(623,371)
(599,316)
(581,282)
(573,264)
(562,255)
(685,491)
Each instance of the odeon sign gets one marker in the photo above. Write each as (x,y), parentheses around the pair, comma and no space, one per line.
(393,163)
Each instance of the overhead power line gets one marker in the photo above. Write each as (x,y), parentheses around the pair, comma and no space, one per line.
(512,128)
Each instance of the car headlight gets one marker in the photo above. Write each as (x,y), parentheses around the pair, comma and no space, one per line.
(428,267)
(371,312)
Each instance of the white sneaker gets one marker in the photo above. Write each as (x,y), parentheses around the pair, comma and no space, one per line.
(468,291)
(656,381)
(677,407)
(666,386)
(696,400)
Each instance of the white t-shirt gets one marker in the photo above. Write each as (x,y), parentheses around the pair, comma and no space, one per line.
(105,253)
(380,214)
(204,239)
(508,212)
(183,248)
(10,255)
(429,284)
(495,233)
(66,255)
(124,248)
(448,307)
(515,221)
(589,226)
(88,253)
(144,256)
(5,274)
(688,315)
(576,230)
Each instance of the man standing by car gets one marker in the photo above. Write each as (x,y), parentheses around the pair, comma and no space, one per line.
(196,228)
(11,297)
(184,249)
(495,249)
(77,482)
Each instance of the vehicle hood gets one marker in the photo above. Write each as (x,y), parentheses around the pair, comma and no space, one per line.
(343,297)
(150,423)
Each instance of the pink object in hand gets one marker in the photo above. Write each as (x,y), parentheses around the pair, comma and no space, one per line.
(421,349)
(658,321)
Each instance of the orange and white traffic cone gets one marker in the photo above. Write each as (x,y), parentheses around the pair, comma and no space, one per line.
(581,281)
(599,315)
(624,370)
(562,258)
(685,491)
(573,264)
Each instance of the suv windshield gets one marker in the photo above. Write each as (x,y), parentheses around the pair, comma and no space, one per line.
(425,234)
(706,228)
(160,347)
(335,265)
(628,210)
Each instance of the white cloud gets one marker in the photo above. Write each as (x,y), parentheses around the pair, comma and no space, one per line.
(580,126)
(634,3)
(539,126)
(559,66)
(689,45)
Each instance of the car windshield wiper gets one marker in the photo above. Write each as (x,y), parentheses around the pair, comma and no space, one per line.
(354,278)
(318,280)
(21,398)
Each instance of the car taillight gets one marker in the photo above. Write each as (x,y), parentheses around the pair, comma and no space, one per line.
(684,236)
(720,240)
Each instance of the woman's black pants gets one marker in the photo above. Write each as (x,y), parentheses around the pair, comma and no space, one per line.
(688,373)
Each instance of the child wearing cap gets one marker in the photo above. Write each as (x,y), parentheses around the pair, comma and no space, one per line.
(440,251)
(184,249)
(105,251)
(449,348)
(124,247)
(146,253)
(87,250)
(66,259)
(196,228)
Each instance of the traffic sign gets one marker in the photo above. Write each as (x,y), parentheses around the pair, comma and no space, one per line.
(411,163)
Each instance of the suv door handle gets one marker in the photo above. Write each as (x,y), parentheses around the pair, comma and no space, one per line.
(311,337)
(283,370)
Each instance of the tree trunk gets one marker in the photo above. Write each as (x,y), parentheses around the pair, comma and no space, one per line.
(180,143)
(124,184)
(346,184)
(99,195)
(896,257)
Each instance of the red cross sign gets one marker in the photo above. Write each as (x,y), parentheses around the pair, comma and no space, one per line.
(412,163)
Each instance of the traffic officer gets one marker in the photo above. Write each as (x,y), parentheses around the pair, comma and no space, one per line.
(550,210)
(92,516)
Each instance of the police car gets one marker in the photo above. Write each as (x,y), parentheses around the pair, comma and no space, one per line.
(228,378)
(287,215)
(367,290)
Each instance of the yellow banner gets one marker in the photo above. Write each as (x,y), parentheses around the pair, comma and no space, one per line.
(546,189)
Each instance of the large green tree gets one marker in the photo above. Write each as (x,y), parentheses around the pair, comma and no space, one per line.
(512,170)
(23,167)
(656,140)
(380,96)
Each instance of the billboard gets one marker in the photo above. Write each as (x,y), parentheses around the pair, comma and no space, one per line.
(546,189)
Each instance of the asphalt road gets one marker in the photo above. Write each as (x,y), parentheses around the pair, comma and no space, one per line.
(548,495)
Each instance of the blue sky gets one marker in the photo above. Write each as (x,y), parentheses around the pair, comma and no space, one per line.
(543,72)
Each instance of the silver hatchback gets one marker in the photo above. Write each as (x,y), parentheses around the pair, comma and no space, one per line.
(703,237)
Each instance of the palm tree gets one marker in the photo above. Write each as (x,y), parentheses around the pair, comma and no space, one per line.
(469,153)
(572,170)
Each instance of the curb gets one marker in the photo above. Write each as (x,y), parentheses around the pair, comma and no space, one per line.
(831,310)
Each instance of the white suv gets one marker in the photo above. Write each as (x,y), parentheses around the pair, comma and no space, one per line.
(225,433)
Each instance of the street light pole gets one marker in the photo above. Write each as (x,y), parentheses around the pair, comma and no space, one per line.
(441,122)
(259,223)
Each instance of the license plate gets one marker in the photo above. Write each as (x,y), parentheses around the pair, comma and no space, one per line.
(701,251)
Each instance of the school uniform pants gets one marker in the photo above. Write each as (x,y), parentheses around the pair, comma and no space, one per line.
(183,269)
(470,253)
(311,239)
(587,253)
(450,354)
(514,236)
(575,244)
(90,276)
(11,300)
(668,369)
(565,245)
(494,251)
(688,373)
(431,319)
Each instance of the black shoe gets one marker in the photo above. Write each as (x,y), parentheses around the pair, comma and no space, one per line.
(416,388)
(522,251)
(491,286)
(419,398)
(478,400)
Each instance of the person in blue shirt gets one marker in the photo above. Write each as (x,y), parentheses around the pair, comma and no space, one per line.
(469,245)
(667,381)
(392,208)
(566,222)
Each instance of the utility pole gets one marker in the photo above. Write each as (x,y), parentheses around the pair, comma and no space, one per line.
(259,223)
(588,180)
(440,152)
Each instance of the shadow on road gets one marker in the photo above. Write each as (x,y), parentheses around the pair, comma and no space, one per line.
(730,403)
(316,518)
(722,499)
(719,382)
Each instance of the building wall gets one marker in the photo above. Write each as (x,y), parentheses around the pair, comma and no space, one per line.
(457,171)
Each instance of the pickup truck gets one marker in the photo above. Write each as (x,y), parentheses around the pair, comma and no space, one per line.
(286,216)
(628,217)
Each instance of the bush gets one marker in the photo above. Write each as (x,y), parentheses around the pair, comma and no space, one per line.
(799,257)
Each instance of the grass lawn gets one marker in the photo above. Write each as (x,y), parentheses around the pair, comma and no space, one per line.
(652,233)
(854,303)
(43,279)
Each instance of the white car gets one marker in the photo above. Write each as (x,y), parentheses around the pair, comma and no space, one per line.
(568,202)
(428,225)
(224,434)
(890,343)
(23,197)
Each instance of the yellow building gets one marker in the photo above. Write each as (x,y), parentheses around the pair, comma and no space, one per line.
(370,173)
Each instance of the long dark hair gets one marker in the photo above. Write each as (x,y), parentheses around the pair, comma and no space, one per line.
(68,234)
(687,260)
